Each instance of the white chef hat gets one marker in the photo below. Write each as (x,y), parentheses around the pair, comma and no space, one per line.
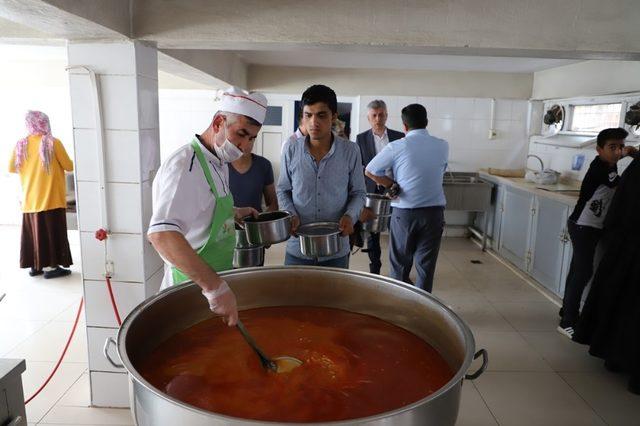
(240,101)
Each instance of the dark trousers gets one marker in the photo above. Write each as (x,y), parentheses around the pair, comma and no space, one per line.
(415,236)
(374,252)
(339,262)
(584,240)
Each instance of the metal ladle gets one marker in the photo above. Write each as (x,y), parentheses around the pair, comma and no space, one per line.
(280,364)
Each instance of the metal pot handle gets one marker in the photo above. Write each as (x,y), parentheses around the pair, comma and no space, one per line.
(483,367)
(105,350)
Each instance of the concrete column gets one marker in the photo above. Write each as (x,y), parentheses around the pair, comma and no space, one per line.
(127,76)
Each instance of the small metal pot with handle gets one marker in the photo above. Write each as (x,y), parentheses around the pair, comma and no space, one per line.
(379,204)
(319,239)
(268,227)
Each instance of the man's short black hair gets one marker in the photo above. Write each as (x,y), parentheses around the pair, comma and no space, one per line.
(614,133)
(320,93)
(414,116)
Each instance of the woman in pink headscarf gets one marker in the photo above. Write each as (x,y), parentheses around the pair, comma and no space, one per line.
(41,161)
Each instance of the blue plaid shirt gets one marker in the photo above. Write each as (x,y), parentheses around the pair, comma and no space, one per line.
(323,191)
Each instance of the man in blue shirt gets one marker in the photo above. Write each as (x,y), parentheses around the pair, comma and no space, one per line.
(251,179)
(418,162)
(321,178)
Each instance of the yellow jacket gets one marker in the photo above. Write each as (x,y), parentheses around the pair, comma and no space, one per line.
(41,190)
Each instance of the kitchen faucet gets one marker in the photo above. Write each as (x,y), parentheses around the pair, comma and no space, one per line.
(539,159)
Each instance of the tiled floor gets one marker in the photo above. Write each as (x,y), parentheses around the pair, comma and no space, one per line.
(535,376)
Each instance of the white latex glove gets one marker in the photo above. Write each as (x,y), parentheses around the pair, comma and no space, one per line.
(223,302)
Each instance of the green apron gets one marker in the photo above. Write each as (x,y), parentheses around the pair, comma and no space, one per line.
(217,252)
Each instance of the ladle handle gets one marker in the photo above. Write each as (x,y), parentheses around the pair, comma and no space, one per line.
(266,362)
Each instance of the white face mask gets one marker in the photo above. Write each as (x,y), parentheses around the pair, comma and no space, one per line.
(228,152)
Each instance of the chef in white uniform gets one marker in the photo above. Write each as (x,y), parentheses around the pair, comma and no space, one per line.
(192,226)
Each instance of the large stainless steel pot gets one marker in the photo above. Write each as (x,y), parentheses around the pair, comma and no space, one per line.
(180,307)
(319,239)
(379,204)
(268,228)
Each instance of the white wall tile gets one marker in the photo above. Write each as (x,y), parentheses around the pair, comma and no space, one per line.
(119,102)
(441,128)
(148,103)
(393,104)
(152,285)
(150,153)
(147,204)
(481,108)
(104,58)
(519,110)
(480,132)
(152,260)
(125,250)
(96,338)
(504,130)
(462,133)
(124,207)
(82,105)
(109,389)
(503,109)
(146,57)
(403,101)
(88,206)
(430,103)
(99,311)
(464,108)
(445,107)
(119,168)
(122,152)
(127,253)
(86,155)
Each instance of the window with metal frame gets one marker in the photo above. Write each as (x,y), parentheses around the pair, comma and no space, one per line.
(593,118)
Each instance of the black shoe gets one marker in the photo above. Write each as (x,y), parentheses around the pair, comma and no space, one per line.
(56,273)
(612,366)
(34,272)
(634,385)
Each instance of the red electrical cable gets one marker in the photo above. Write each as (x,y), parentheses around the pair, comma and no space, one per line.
(64,352)
(101,235)
(113,302)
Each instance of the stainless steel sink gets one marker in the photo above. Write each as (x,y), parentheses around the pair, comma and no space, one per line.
(465,191)
(460,178)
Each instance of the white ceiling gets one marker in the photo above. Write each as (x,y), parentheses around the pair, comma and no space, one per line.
(316,58)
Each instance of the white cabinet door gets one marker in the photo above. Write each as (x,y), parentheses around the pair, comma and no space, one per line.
(515,227)
(566,256)
(548,243)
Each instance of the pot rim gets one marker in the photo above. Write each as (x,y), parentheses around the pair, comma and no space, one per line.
(469,343)
(312,224)
(252,220)
(374,196)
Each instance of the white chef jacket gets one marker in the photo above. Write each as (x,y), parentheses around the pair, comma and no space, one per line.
(182,199)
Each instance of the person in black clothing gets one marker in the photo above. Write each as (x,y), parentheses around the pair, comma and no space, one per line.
(610,319)
(371,143)
(586,222)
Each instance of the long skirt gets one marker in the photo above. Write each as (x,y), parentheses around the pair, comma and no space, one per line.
(44,241)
